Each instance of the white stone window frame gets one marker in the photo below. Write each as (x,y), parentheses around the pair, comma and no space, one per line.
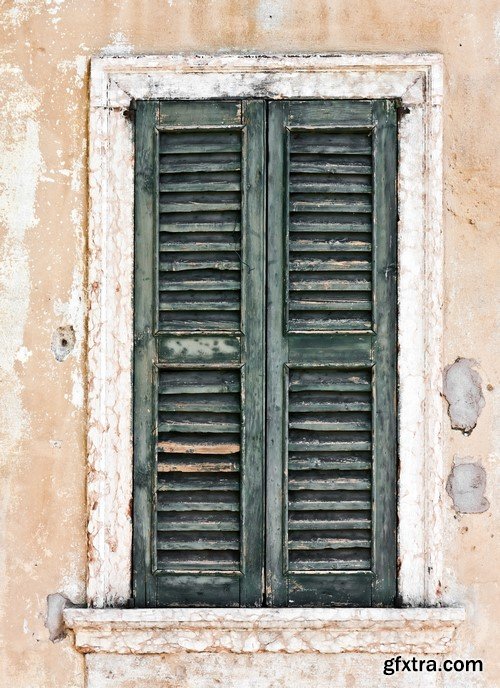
(417,81)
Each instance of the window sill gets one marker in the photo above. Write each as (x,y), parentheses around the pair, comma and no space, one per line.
(244,631)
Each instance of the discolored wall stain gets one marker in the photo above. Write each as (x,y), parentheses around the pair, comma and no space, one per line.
(466,486)
(462,390)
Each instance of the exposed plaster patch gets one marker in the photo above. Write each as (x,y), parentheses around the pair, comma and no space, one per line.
(119,45)
(496,29)
(20,167)
(63,342)
(23,354)
(54,622)
(78,65)
(466,486)
(271,13)
(462,390)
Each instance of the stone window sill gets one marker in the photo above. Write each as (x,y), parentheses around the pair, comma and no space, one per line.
(243,631)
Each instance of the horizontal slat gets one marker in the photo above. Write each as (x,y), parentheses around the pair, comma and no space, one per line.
(198,467)
(208,284)
(194,426)
(330,463)
(196,505)
(327,543)
(304,405)
(214,543)
(329,504)
(323,224)
(187,482)
(330,564)
(200,185)
(324,264)
(321,183)
(198,306)
(186,226)
(333,483)
(219,403)
(300,522)
(198,142)
(299,284)
(171,246)
(191,206)
(326,203)
(340,385)
(200,388)
(195,448)
(204,560)
(203,521)
(181,265)
(198,501)
(202,163)
(307,446)
(334,424)
(332,245)
(332,164)
(330,305)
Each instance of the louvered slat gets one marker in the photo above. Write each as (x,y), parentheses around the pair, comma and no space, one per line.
(330,196)
(200,220)
(198,469)
(329,469)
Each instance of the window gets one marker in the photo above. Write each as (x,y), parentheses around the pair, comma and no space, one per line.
(265,353)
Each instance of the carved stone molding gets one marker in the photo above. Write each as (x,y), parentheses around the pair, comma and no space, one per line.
(417,81)
(328,631)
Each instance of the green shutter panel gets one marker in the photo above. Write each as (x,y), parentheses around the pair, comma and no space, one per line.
(199,338)
(331,364)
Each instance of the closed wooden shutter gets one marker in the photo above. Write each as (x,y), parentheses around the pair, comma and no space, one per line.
(265,385)
(199,336)
(331,363)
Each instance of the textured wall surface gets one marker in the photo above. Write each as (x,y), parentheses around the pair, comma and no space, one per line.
(45,46)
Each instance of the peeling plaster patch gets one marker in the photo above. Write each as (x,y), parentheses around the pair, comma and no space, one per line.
(466,485)
(462,390)
(78,65)
(20,167)
(497,36)
(271,13)
(23,354)
(63,342)
(54,621)
(119,45)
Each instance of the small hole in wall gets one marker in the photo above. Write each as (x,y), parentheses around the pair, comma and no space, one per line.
(63,342)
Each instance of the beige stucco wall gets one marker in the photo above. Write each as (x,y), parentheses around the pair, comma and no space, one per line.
(45,46)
